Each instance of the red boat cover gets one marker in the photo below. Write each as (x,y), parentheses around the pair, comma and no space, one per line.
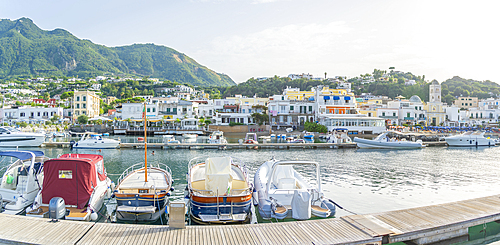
(72,177)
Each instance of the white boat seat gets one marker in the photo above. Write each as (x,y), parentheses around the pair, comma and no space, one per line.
(287,183)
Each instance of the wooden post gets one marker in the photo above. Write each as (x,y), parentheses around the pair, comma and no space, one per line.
(145,144)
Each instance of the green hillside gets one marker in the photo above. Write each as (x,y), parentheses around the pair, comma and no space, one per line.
(28,51)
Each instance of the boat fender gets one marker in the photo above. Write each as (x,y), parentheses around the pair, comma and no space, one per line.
(93,216)
(113,186)
(171,188)
(10,178)
(255,197)
(330,206)
(72,144)
(168,194)
(108,193)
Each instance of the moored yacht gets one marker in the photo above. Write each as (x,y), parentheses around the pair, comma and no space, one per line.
(21,180)
(383,141)
(94,141)
(11,137)
(470,139)
(217,137)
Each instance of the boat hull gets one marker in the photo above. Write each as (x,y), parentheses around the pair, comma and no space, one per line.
(14,140)
(365,143)
(131,204)
(231,209)
(469,142)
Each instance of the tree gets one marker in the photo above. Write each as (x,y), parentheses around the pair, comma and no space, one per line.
(66,95)
(315,127)
(82,119)
(54,119)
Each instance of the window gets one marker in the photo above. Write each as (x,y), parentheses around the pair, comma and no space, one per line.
(175,110)
(407,114)
(77,106)
(52,114)
(84,105)
(168,110)
(32,114)
(291,108)
(84,98)
(243,110)
(38,113)
(22,114)
(383,114)
(394,114)
(149,109)
(310,108)
(77,98)
(154,109)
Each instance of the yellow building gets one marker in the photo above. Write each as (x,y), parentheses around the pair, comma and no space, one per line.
(296,94)
(86,103)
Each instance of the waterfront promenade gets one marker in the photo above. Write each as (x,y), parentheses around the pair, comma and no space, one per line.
(424,225)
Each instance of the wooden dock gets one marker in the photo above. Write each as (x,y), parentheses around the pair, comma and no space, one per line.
(423,225)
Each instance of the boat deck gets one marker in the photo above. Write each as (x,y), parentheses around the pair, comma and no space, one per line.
(156,178)
(421,225)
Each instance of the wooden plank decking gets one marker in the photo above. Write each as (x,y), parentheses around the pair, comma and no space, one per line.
(419,225)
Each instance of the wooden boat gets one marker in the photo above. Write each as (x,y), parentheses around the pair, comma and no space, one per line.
(143,191)
(22,180)
(80,179)
(218,190)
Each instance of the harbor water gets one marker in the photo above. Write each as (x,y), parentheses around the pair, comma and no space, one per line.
(361,181)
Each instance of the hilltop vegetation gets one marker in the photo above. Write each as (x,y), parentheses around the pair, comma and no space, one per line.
(28,51)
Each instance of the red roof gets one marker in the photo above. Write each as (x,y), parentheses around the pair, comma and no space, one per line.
(72,177)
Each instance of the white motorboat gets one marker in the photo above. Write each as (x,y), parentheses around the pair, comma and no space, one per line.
(282,192)
(22,180)
(80,180)
(338,135)
(94,141)
(190,138)
(11,137)
(217,137)
(383,141)
(470,139)
(170,139)
(218,190)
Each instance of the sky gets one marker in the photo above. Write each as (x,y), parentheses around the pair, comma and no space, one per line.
(263,38)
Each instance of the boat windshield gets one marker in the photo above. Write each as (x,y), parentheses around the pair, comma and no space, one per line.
(11,129)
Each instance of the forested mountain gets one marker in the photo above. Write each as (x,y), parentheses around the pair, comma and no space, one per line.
(28,51)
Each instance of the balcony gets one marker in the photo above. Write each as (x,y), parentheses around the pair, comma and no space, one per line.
(389,117)
(409,118)
(168,112)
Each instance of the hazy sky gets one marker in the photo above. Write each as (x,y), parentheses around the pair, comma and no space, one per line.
(263,38)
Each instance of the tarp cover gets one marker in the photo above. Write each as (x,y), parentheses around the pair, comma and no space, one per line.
(72,177)
(218,174)
(301,205)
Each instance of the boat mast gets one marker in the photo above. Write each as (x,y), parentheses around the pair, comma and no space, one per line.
(145,144)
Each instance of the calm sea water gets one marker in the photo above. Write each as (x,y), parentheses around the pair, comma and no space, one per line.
(362,181)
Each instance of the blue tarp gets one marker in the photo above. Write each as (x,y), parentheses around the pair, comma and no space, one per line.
(23,155)
(336,98)
(311,98)
(326,97)
(347,98)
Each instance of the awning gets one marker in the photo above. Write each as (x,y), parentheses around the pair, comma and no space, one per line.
(326,97)
(311,98)
(347,98)
(336,98)
(23,155)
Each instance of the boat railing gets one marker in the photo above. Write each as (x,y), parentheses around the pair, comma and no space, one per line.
(232,192)
(141,165)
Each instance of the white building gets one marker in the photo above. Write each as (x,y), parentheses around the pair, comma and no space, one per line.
(299,76)
(357,123)
(31,114)
(96,86)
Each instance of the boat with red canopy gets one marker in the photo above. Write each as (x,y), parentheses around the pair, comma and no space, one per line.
(80,179)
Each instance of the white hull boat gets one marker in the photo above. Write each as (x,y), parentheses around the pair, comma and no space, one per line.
(94,141)
(217,137)
(282,192)
(170,139)
(384,142)
(80,180)
(11,137)
(22,180)
(469,139)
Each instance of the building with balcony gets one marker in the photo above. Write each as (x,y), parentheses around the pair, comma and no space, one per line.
(31,114)
(466,102)
(86,103)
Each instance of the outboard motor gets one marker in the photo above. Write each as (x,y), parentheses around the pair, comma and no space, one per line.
(71,144)
(57,208)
